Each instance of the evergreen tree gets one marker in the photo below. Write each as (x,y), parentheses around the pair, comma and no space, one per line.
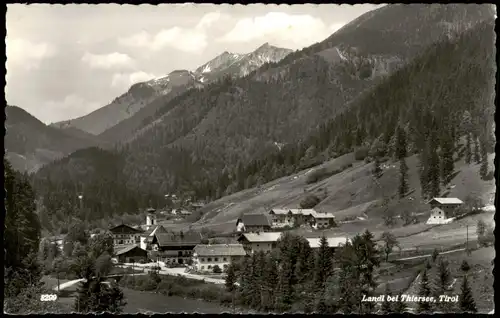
(465,299)
(433,168)
(401,144)
(483,170)
(348,279)
(399,306)
(389,243)
(21,233)
(424,170)
(323,268)
(93,296)
(386,306)
(442,283)
(230,278)
(245,280)
(477,157)
(468,149)
(270,280)
(425,291)
(447,162)
(403,178)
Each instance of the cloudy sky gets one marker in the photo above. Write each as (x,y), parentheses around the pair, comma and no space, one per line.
(66,61)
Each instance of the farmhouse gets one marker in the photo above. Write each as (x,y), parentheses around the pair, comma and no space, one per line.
(147,237)
(131,254)
(206,257)
(175,248)
(253,223)
(281,218)
(447,205)
(124,235)
(333,242)
(255,242)
(302,215)
(322,220)
(438,216)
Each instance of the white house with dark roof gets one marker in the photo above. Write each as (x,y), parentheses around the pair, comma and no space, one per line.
(448,205)
(125,235)
(206,257)
(322,220)
(438,216)
(253,223)
(281,218)
(255,242)
(175,248)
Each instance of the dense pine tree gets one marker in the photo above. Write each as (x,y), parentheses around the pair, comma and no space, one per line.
(399,306)
(483,170)
(425,291)
(466,301)
(433,168)
(386,306)
(477,156)
(468,149)
(230,278)
(447,162)
(324,265)
(442,283)
(403,178)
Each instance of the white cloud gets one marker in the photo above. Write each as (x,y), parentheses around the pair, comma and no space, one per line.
(189,40)
(185,40)
(21,52)
(125,80)
(300,30)
(72,106)
(208,19)
(107,61)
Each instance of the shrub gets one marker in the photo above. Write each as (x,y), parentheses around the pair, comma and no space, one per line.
(217,269)
(309,202)
(465,266)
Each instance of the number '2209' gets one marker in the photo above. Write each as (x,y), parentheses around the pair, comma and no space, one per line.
(48,297)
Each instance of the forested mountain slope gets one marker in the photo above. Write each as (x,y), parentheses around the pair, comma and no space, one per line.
(243,119)
(29,143)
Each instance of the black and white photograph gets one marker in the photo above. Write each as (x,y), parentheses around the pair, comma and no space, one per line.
(249,159)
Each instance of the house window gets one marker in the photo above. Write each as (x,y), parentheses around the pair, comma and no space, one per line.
(216,259)
(257,245)
(202,259)
(209,260)
(203,267)
(225,266)
(209,266)
(225,260)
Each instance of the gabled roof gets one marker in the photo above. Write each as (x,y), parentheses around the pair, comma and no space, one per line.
(302,211)
(280,211)
(175,239)
(128,249)
(124,229)
(154,229)
(332,241)
(255,220)
(220,250)
(261,237)
(436,209)
(322,215)
(446,201)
